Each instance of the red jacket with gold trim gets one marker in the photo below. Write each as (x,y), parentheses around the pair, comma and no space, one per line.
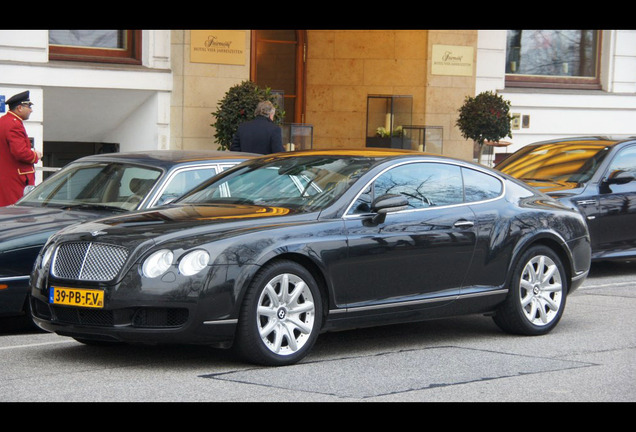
(16,159)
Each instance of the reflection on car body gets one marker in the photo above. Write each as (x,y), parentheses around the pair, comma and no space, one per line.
(595,175)
(89,188)
(385,236)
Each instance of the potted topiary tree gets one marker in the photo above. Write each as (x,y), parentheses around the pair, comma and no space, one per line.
(485,117)
(236,107)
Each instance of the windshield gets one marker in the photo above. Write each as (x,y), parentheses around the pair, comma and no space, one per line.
(110,185)
(306,183)
(568,162)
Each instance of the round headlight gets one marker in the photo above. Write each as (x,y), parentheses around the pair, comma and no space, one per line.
(194,262)
(157,263)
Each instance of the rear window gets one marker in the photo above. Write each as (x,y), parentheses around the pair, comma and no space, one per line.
(567,162)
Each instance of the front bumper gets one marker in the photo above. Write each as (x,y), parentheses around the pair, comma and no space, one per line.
(173,309)
(142,325)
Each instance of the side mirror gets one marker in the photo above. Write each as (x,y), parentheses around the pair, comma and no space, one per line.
(619,177)
(386,204)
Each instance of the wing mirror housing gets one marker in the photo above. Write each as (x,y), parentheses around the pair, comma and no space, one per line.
(388,203)
(619,177)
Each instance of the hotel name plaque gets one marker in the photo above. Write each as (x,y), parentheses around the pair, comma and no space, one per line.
(452,60)
(217,46)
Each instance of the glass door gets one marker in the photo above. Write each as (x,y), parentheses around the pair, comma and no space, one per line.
(278,62)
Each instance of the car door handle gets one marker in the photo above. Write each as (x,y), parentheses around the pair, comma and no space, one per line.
(464,224)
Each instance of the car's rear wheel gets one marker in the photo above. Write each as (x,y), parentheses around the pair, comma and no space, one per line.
(538,290)
(281,315)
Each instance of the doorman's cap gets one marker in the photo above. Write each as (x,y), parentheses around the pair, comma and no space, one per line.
(20,98)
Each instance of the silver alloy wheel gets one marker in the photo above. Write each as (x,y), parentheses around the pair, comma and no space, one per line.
(541,289)
(285,314)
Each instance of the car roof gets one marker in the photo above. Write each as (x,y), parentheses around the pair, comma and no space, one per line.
(588,140)
(379,154)
(362,152)
(168,158)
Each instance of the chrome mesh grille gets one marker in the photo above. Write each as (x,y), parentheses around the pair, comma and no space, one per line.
(98,262)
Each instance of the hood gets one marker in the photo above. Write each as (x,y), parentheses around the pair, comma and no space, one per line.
(177,221)
(179,227)
(22,226)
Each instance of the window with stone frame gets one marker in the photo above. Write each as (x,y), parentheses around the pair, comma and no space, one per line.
(553,58)
(110,46)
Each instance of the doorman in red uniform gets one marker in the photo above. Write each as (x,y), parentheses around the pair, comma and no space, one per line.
(16,155)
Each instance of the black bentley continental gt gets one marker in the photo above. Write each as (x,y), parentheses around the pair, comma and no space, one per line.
(280,248)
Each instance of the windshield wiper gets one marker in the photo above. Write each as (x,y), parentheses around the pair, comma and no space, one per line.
(85,206)
(537,179)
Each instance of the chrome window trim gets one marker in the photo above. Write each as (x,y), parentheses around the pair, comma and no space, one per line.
(226,165)
(14,278)
(347,215)
(152,198)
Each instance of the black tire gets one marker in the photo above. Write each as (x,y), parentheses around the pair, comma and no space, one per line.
(275,329)
(536,299)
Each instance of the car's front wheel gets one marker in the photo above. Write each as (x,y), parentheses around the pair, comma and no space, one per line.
(281,315)
(538,290)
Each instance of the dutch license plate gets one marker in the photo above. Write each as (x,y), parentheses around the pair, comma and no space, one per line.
(76,297)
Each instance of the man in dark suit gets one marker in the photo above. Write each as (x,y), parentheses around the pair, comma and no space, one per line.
(16,155)
(260,135)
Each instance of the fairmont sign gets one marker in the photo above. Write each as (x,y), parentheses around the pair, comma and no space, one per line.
(217,46)
(452,60)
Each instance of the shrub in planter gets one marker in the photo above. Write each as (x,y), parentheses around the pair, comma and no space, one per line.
(236,107)
(485,117)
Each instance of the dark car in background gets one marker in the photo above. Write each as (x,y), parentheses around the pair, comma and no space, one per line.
(89,188)
(276,250)
(596,176)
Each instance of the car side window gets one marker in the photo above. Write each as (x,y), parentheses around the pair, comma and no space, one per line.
(424,184)
(183,181)
(479,186)
(624,161)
